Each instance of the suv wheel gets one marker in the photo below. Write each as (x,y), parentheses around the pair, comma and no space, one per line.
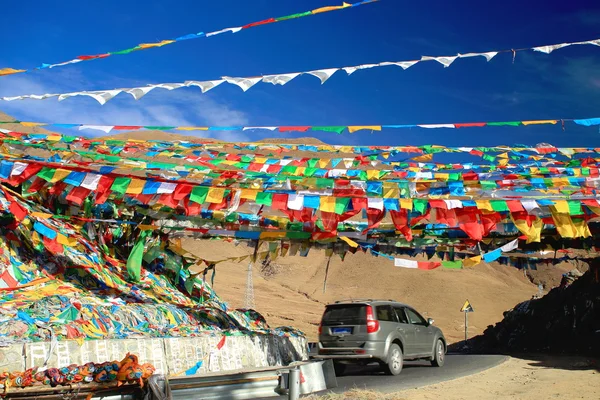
(394,361)
(339,368)
(439,354)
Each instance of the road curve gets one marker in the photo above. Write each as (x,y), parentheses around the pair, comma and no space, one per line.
(416,374)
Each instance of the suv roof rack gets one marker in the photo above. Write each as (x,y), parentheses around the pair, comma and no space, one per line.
(362,300)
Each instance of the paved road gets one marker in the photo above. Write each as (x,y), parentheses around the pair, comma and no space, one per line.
(416,374)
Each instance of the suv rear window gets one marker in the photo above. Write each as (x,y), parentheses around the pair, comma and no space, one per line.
(348,314)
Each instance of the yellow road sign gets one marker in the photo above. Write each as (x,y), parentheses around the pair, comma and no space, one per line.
(467,307)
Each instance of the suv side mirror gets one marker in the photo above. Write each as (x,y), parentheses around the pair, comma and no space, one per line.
(430,321)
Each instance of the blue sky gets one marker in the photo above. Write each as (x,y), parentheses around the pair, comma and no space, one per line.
(565,84)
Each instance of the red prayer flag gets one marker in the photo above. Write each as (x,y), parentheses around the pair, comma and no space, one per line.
(428,265)
(294,128)
(471,125)
(263,22)
(78,195)
(221,343)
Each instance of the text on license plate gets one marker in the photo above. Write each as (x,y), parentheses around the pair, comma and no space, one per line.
(341,331)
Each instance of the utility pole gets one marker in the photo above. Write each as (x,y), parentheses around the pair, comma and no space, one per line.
(249,288)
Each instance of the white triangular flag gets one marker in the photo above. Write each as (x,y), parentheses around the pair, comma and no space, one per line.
(11,98)
(595,42)
(101,96)
(323,74)
(75,61)
(444,60)
(404,263)
(103,128)
(510,246)
(243,83)
(166,188)
(169,86)
(91,181)
(139,92)
(350,70)
(402,64)
(205,86)
(249,128)
(18,168)
(488,56)
(279,79)
(232,30)
(549,49)
(432,126)
(42,96)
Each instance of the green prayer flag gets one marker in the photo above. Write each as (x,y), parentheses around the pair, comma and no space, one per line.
(341,203)
(160,128)
(574,207)
(299,15)
(134,261)
(336,129)
(264,198)
(297,235)
(488,185)
(120,185)
(69,315)
(199,194)
(452,264)
(309,171)
(510,123)
(17,273)
(46,174)
(420,205)
(499,205)
(126,51)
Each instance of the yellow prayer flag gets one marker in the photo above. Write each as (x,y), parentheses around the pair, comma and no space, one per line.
(248,194)
(41,215)
(215,195)
(350,242)
(147,227)
(423,158)
(323,163)
(407,204)
(471,261)
(390,190)
(60,174)
(158,44)
(192,128)
(353,129)
(561,206)
(31,124)
(272,235)
(10,71)
(136,186)
(484,205)
(540,122)
(532,232)
(66,240)
(329,8)
(372,174)
(327,204)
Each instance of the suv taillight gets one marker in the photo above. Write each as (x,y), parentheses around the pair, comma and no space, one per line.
(372,323)
(320,328)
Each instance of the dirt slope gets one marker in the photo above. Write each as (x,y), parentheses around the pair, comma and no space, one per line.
(294,294)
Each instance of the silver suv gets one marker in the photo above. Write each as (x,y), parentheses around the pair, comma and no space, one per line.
(384,331)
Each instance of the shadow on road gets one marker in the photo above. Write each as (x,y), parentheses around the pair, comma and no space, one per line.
(375,369)
(538,360)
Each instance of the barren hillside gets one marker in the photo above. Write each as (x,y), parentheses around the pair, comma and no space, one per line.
(292,293)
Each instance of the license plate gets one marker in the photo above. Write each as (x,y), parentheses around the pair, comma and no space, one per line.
(341,331)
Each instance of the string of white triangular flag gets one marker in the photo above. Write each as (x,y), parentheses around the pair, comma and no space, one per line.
(245,83)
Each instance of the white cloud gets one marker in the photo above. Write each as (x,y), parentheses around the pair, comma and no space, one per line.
(187,107)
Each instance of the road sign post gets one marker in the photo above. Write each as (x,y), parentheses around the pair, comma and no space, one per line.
(467,308)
